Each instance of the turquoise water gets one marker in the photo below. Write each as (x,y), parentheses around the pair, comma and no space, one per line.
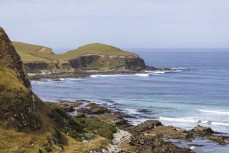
(195,92)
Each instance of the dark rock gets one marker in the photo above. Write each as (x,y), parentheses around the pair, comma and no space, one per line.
(69,106)
(208,133)
(96,109)
(151,68)
(144,111)
(147,125)
(202,130)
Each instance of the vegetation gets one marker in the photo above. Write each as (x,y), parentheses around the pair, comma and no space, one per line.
(94,125)
(29,52)
(82,128)
(26,123)
(35,53)
(95,48)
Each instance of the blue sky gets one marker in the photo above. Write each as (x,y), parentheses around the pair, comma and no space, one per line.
(68,24)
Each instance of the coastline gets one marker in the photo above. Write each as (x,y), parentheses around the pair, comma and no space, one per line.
(149,136)
(84,73)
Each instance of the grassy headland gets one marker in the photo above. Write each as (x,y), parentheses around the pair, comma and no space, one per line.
(96,56)
(29,52)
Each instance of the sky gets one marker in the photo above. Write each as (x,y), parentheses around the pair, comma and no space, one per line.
(68,24)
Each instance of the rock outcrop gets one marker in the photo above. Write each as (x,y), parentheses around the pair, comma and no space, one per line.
(105,62)
(17,102)
(91,62)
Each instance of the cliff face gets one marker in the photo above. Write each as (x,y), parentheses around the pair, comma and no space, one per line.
(17,102)
(104,62)
(91,62)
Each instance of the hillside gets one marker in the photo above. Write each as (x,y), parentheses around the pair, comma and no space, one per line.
(28,125)
(94,56)
(95,49)
(29,52)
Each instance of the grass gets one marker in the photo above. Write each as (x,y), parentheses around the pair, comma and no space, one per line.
(68,130)
(9,80)
(95,48)
(19,105)
(78,128)
(29,52)
(98,127)
(35,53)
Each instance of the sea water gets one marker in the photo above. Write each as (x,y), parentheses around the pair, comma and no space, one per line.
(195,91)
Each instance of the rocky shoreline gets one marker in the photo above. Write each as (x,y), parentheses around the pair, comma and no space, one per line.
(148,137)
(56,75)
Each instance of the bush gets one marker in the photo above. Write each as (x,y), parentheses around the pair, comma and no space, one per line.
(79,127)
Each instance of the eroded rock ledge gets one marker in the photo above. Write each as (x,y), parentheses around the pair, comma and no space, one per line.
(148,137)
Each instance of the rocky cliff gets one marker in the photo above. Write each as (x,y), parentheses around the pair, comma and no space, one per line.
(28,125)
(96,56)
(17,102)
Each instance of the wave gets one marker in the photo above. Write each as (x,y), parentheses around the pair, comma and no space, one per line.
(108,75)
(149,73)
(215,112)
(73,79)
(131,111)
(178,119)
(192,147)
(159,72)
(179,68)
(136,121)
(142,74)
(193,120)
(62,79)
(119,75)
(220,123)
(145,74)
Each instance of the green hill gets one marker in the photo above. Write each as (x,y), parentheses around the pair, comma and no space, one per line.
(94,56)
(29,52)
(97,49)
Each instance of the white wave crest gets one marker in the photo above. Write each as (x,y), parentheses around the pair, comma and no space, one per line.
(106,75)
(158,72)
(142,74)
(179,68)
(215,112)
(220,123)
(74,79)
(131,111)
(190,120)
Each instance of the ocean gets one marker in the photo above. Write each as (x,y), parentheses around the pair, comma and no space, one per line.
(195,91)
